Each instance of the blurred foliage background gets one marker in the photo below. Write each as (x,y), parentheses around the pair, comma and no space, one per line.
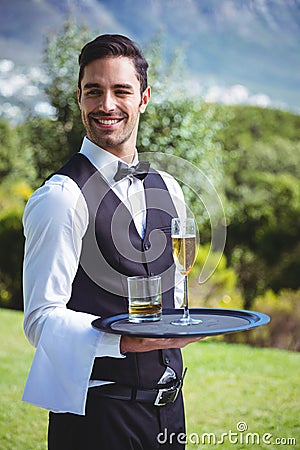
(250,154)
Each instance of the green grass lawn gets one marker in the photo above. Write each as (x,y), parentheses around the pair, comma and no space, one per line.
(226,385)
(230,384)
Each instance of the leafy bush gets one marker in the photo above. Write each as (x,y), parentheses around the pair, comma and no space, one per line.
(12,199)
(283,330)
(220,289)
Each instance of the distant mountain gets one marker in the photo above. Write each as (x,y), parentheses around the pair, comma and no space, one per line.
(24,24)
(250,42)
(235,50)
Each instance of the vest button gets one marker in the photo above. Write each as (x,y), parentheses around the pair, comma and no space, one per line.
(151,274)
(147,246)
(167,360)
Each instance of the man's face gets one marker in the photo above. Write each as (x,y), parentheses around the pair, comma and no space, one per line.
(111,103)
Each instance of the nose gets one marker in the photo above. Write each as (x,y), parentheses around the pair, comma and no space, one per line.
(107,103)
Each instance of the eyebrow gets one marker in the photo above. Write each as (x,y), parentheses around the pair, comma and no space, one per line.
(91,85)
(116,86)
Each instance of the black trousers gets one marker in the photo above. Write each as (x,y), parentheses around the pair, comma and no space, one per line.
(111,424)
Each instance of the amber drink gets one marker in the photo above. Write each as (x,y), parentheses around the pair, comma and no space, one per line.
(144,299)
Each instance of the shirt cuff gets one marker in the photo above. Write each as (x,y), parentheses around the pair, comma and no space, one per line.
(109,345)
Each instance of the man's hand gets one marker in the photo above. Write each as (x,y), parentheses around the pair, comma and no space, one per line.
(136,344)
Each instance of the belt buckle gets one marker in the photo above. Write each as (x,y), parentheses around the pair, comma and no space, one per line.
(166,395)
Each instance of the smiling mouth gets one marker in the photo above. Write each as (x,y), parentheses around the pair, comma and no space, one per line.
(107,122)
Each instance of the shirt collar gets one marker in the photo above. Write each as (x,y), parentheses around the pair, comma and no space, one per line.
(106,163)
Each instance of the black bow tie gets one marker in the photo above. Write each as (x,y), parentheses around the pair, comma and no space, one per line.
(139,171)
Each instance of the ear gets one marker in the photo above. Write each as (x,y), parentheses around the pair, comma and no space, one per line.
(145,99)
(79,97)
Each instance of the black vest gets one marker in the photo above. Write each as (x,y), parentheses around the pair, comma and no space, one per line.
(112,250)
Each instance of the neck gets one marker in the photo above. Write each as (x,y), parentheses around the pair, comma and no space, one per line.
(127,157)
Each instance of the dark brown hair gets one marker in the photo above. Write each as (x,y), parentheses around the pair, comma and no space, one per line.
(114,45)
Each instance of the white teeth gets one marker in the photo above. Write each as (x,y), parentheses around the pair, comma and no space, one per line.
(107,122)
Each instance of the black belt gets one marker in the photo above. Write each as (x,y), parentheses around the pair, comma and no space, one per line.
(158,397)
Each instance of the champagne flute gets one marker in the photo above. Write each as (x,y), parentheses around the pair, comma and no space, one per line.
(183,232)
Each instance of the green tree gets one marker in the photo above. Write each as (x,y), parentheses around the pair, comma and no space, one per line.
(46,142)
(262,192)
(15,158)
(61,66)
(8,154)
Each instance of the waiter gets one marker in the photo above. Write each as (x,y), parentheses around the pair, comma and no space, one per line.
(102,217)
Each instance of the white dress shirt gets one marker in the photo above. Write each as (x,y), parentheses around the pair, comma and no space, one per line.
(55,221)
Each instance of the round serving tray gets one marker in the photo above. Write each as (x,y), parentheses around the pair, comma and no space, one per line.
(214,321)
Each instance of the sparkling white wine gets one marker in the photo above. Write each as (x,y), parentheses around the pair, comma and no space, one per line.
(184,252)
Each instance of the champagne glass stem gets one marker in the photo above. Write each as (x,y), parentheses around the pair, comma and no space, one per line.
(186,319)
(186,313)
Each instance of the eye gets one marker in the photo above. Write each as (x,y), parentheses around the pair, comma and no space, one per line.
(123,92)
(94,92)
